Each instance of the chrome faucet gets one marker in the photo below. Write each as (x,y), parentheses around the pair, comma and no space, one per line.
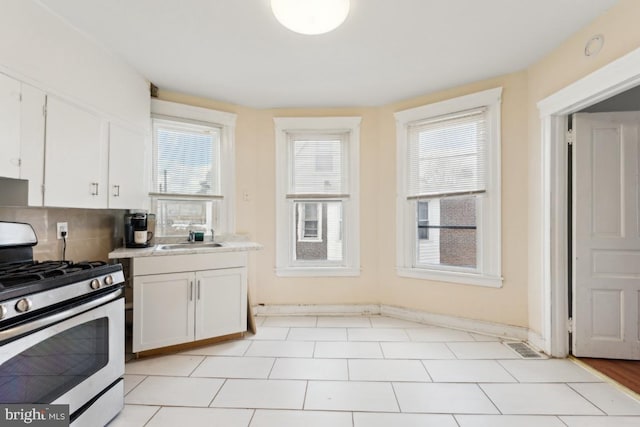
(212,234)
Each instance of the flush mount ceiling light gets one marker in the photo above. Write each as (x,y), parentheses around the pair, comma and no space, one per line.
(310,16)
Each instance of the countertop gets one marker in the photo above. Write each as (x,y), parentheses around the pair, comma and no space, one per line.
(227,245)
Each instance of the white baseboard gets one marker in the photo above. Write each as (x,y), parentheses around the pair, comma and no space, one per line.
(454,322)
(317,309)
(482,327)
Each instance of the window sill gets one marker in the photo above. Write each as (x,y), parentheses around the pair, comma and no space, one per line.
(317,272)
(485,280)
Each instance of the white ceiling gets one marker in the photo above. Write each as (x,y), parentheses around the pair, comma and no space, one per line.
(387,50)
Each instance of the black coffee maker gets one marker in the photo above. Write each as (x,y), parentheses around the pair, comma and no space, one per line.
(137,230)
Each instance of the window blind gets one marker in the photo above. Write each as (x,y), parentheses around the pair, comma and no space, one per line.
(447,155)
(187,159)
(317,166)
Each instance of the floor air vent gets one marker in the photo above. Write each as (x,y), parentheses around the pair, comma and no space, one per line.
(524,350)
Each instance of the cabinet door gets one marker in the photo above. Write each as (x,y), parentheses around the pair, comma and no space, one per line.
(127,169)
(32,141)
(75,157)
(221,302)
(163,310)
(9,127)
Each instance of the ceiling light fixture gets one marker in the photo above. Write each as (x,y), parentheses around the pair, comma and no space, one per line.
(310,16)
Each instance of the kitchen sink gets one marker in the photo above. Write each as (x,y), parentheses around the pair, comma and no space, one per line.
(187,245)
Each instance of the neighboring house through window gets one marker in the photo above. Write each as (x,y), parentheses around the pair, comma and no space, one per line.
(192,169)
(449,182)
(317,196)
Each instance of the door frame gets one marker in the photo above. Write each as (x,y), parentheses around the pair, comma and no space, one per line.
(612,79)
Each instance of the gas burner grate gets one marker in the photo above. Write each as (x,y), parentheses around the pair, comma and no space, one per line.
(17,274)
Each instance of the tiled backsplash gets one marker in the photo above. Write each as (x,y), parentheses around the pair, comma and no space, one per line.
(93,233)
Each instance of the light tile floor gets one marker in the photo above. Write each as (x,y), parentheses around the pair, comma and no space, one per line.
(366,371)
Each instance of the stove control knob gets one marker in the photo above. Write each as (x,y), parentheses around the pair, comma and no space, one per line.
(95,284)
(23,305)
(108,280)
(3,311)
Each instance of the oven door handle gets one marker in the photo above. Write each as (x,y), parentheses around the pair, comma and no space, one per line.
(57,317)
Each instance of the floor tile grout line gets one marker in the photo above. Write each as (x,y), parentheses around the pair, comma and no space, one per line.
(479,385)
(587,399)
(427,371)
(499,362)
(197,366)
(304,398)
(246,350)
(253,414)
(224,382)
(153,415)
(273,364)
(395,395)
(136,386)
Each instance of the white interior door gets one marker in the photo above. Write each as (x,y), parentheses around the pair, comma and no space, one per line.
(606,240)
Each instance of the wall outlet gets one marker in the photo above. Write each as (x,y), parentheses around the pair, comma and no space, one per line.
(62,226)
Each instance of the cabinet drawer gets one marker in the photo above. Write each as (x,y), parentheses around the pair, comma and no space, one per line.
(187,262)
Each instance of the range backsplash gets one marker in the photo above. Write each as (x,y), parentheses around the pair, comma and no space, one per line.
(93,233)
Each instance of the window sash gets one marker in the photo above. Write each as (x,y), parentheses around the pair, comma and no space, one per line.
(317,165)
(446,155)
(194,171)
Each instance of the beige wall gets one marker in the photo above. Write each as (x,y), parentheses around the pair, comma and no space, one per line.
(378,282)
(565,65)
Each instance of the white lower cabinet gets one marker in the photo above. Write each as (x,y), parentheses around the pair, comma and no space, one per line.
(182,307)
(221,302)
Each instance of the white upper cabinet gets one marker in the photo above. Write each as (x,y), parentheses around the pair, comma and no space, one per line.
(127,168)
(22,134)
(91,162)
(9,127)
(75,157)
(32,119)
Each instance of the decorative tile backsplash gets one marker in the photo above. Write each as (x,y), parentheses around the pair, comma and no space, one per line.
(93,233)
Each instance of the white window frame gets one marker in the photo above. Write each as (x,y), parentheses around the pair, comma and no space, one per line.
(488,218)
(285,225)
(226,122)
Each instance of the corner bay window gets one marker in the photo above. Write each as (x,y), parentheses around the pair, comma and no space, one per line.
(449,186)
(191,185)
(317,195)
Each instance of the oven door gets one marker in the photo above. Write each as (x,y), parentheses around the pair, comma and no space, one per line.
(71,357)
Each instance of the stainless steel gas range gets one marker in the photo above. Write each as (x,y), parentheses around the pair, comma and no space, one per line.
(61,331)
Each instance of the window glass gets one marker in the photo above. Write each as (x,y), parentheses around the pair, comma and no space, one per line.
(451,231)
(317,164)
(176,217)
(187,159)
(319,231)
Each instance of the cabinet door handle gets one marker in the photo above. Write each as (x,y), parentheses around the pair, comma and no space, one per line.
(116,191)
(95,191)
(191,291)
(198,289)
